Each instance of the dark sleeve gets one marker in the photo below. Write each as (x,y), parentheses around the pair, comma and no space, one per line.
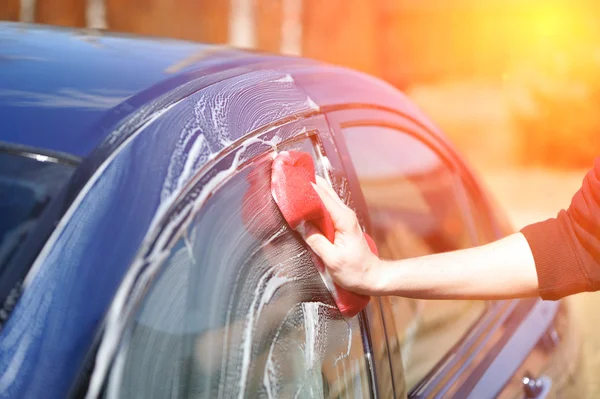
(566,249)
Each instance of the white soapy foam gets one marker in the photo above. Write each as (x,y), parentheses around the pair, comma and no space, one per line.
(286,79)
(188,246)
(192,157)
(247,339)
(276,234)
(268,375)
(313,105)
(117,316)
(263,293)
(82,194)
(347,354)
(326,166)
(273,142)
(115,382)
(114,323)
(142,270)
(8,376)
(312,345)
(310,311)
(274,283)
(271,367)
(328,281)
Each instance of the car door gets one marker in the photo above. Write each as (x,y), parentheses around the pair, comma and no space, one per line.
(236,307)
(417,202)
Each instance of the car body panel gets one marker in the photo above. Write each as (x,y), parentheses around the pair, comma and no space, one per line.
(77,273)
(72,84)
(463,372)
(503,364)
(174,221)
(151,128)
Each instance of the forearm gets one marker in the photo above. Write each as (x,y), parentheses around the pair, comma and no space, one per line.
(500,270)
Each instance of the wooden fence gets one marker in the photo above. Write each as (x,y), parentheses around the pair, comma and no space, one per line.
(401,41)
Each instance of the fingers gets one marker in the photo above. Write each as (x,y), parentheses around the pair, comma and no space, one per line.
(344,219)
(321,182)
(338,213)
(318,242)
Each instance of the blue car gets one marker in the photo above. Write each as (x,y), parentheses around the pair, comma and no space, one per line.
(142,255)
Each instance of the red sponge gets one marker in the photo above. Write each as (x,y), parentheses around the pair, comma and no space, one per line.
(292,173)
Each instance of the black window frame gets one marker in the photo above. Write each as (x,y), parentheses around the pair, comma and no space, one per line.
(12,276)
(353,115)
(340,117)
(39,154)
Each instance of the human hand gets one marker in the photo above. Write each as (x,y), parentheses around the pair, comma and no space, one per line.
(348,259)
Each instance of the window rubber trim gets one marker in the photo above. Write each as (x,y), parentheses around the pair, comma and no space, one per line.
(445,153)
(39,154)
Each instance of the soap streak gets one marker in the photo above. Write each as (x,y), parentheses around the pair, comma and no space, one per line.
(223,122)
(263,293)
(230,308)
(311,328)
(312,345)
(142,271)
(347,354)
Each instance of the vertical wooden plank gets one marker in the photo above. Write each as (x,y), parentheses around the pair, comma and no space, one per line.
(341,32)
(199,20)
(138,16)
(268,23)
(388,43)
(61,12)
(9,10)
(291,27)
(242,32)
(208,21)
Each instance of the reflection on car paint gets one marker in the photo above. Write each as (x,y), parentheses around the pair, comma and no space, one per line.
(215,115)
(27,185)
(262,294)
(96,244)
(154,153)
(255,307)
(314,343)
(202,54)
(415,208)
(142,271)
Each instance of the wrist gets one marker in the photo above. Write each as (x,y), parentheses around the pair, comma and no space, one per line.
(377,281)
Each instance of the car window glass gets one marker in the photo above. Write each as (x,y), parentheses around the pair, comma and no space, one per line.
(389,384)
(413,203)
(239,310)
(26,187)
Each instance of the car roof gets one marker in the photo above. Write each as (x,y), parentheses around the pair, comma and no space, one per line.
(67,91)
(59,84)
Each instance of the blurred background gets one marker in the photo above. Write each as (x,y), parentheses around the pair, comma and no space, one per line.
(514,83)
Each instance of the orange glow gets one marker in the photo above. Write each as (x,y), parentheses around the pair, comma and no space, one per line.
(552,22)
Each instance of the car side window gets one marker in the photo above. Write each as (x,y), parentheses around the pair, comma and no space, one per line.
(414,203)
(239,310)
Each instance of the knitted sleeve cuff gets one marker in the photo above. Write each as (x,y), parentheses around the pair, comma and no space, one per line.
(556,261)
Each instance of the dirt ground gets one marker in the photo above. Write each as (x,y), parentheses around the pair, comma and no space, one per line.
(531,195)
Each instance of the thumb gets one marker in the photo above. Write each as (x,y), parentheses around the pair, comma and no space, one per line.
(317,241)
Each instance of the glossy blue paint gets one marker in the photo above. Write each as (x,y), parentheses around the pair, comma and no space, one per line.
(57,83)
(151,127)
(75,277)
(522,342)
